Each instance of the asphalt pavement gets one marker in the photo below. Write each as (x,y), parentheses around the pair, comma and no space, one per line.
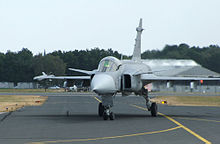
(72,119)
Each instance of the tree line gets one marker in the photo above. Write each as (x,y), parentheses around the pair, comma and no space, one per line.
(22,66)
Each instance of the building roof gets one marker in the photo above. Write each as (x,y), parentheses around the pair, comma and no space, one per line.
(199,71)
(173,67)
(169,62)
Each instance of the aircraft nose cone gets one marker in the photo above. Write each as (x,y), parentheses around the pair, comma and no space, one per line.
(103,84)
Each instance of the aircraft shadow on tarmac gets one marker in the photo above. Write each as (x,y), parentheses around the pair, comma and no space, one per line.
(80,118)
(87,117)
(119,115)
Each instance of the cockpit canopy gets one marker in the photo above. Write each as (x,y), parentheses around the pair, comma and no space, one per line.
(109,64)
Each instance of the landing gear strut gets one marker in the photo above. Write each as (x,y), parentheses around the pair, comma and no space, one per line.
(152,107)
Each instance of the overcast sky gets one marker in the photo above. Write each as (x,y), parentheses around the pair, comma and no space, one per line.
(84,24)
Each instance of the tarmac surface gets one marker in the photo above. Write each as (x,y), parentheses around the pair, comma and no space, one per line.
(72,119)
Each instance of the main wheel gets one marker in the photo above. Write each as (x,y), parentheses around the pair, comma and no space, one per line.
(153,109)
(101,109)
(105,116)
(112,116)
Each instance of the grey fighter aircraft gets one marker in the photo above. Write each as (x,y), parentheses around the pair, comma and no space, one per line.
(121,76)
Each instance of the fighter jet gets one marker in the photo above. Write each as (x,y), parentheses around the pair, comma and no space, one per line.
(43,76)
(122,76)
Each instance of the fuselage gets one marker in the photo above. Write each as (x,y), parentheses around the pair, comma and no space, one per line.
(114,75)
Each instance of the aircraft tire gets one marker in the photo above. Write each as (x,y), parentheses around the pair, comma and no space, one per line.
(112,116)
(101,109)
(105,116)
(153,109)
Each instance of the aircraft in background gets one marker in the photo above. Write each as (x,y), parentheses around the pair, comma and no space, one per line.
(122,76)
(54,87)
(42,77)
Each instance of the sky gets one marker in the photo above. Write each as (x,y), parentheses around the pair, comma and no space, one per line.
(84,24)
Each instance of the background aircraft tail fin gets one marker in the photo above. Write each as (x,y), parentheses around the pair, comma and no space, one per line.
(137,47)
(44,73)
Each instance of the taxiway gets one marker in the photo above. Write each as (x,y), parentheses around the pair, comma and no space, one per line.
(72,118)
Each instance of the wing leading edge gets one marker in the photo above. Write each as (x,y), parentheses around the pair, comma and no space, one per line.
(45,76)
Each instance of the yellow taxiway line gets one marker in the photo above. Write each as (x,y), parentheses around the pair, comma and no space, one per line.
(179,124)
(174,121)
(97,99)
(104,138)
(197,119)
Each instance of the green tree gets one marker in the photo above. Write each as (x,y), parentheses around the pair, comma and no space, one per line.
(17,67)
(25,65)
(10,67)
(48,64)
(2,57)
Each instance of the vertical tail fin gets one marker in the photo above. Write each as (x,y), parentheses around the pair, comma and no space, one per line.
(137,47)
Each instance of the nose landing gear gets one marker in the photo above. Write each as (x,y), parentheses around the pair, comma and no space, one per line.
(101,110)
(105,112)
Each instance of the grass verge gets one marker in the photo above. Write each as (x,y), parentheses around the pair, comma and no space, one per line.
(188,100)
(6,90)
(13,102)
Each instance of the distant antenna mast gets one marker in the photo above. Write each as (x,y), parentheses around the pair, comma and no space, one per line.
(44,52)
(121,56)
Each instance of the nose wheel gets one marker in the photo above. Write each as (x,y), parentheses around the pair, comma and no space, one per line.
(112,116)
(105,112)
(101,110)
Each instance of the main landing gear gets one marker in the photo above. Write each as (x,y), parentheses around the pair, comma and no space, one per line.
(151,106)
(153,109)
(105,112)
